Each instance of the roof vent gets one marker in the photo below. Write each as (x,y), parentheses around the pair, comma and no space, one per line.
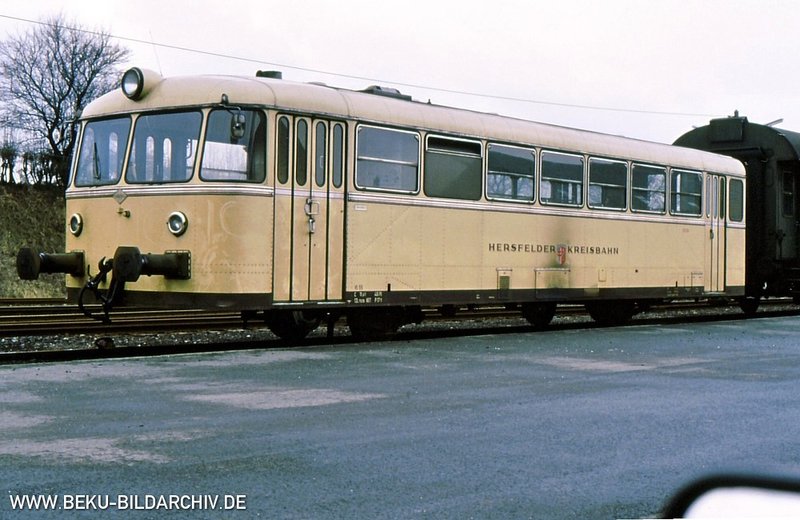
(386,91)
(273,74)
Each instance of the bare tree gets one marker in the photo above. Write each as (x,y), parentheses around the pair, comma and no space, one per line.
(48,75)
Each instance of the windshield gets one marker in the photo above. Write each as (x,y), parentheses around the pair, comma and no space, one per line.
(102,151)
(164,147)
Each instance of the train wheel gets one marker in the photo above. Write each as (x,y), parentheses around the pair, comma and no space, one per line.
(292,325)
(749,305)
(375,324)
(539,314)
(611,313)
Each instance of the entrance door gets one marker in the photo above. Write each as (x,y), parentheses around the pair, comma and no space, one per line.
(716,212)
(309,210)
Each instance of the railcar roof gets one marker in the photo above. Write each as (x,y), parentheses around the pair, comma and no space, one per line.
(736,136)
(366,107)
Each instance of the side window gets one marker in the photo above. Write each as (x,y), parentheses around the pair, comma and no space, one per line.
(736,200)
(511,173)
(387,159)
(338,154)
(453,168)
(687,193)
(562,179)
(284,147)
(234,154)
(301,153)
(608,184)
(648,188)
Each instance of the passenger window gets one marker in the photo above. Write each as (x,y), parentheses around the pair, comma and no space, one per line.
(453,168)
(562,179)
(338,155)
(511,173)
(648,188)
(230,158)
(737,200)
(301,153)
(608,184)
(320,154)
(387,159)
(284,146)
(687,193)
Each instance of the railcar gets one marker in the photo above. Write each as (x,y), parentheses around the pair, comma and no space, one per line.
(771,157)
(297,202)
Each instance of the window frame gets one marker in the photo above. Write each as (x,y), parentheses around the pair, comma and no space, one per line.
(359,158)
(624,187)
(634,189)
(466,151)
(542,178)
(674,193)
(132,142)
(253,135)
(534,160)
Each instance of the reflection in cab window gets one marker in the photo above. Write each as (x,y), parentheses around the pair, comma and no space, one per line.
(234,154)
(387,159)
(510,174)
(687,189)
(453,168)
(649,188)
(608,184)
(164,148)
(102,152)
(562,179)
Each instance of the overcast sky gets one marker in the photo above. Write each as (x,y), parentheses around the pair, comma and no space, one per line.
(661,66)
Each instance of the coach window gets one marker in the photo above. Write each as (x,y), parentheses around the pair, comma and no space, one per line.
(102,151)
(648,188)
(687,190)
(338,154)
(229,157)
(320,154)
(510,173)
(736,200)
(562,179)
(284,146)
(453,168)
(301,153)
(164,148)
(387,159)
(608,184)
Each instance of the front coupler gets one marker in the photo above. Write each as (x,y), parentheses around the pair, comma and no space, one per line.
(127,266)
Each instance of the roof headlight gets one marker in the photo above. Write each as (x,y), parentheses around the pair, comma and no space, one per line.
(76,224)
(177,223)
(136,82)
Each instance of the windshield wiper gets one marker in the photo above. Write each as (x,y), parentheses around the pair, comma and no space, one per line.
(96,163)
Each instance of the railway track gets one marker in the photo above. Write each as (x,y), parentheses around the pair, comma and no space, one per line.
(160,332)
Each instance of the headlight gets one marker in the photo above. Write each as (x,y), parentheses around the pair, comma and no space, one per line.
(177,223)
(136,82)
(76,224)
(133,83)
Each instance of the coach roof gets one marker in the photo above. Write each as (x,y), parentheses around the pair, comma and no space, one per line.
(311,98)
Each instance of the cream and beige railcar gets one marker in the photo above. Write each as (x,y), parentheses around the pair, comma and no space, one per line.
(302,201)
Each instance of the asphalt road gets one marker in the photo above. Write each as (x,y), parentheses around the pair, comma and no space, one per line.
(583,424)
